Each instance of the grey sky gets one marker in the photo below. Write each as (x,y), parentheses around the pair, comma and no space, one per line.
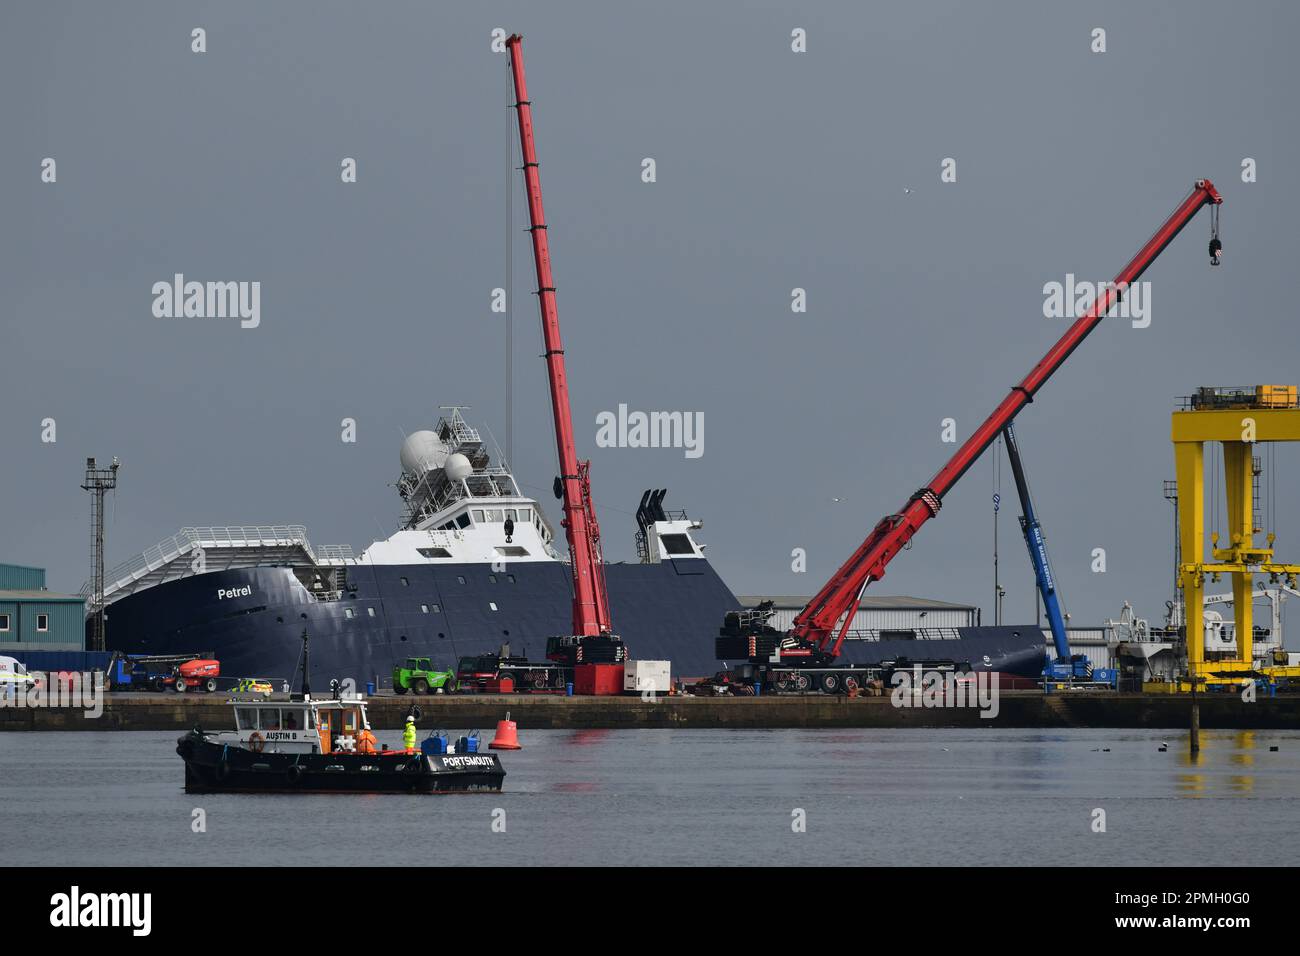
(775,170)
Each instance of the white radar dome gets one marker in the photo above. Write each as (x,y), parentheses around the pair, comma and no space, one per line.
(458,467)
(423,451)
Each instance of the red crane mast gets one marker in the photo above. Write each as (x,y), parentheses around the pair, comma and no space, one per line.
(590,599)
(841,595)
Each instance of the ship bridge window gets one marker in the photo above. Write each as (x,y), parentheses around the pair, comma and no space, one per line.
(433,553)
(677,543)
(494,514)
(462,521)
(512,551)
(478,514)
(246,718)
(293,718)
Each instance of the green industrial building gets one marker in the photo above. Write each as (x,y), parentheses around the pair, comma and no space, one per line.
(34,619)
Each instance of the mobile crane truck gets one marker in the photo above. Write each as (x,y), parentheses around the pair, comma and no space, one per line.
(815,642)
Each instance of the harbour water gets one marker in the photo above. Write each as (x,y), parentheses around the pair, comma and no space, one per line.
(965,797)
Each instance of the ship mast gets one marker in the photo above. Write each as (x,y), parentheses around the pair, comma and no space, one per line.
(590,600)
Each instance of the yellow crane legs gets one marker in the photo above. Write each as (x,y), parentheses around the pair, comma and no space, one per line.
(1238,418)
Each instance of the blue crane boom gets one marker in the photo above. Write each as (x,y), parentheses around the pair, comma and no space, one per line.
(1065,665)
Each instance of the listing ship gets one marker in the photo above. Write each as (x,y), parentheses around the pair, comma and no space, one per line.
(473,567)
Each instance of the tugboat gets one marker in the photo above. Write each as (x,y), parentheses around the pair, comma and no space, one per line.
(325,745)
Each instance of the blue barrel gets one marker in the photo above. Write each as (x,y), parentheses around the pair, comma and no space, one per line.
(370,688)
(568,689)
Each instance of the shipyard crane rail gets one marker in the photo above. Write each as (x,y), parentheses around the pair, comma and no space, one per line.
(591,617)
(838,600)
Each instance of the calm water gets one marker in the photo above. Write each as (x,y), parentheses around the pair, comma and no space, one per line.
(689,796)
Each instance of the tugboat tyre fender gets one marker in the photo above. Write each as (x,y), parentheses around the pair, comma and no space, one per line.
(294,773)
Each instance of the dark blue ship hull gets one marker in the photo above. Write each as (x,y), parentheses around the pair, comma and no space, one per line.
(667,611)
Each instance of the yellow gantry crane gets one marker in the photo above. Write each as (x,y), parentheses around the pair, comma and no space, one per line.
(1237,418)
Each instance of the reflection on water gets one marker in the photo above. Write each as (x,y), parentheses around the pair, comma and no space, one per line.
(691,796)
(1219,750)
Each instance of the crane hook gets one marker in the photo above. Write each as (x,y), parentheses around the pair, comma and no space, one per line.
(1216,247)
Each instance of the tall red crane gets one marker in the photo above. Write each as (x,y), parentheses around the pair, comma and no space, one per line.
(590,599)
(838,600)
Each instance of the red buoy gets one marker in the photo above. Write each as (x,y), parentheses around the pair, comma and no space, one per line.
(507,735)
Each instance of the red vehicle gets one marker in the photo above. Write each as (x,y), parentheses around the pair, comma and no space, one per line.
(198,674)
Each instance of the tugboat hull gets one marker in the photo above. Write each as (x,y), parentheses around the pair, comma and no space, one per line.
(212,767)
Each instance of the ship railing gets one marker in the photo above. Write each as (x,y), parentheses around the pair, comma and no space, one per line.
(335,554)
(435,492)
(460,431)
(165,551)
(187,540)
(918,633)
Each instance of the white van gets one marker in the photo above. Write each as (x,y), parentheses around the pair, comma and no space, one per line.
(13,673)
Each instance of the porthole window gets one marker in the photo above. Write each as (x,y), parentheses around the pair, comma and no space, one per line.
(424,609)
(370,611)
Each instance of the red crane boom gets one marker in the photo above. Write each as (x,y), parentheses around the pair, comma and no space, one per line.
(590,599)
(840,597)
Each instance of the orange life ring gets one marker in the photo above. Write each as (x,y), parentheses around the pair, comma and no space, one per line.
(256,742)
